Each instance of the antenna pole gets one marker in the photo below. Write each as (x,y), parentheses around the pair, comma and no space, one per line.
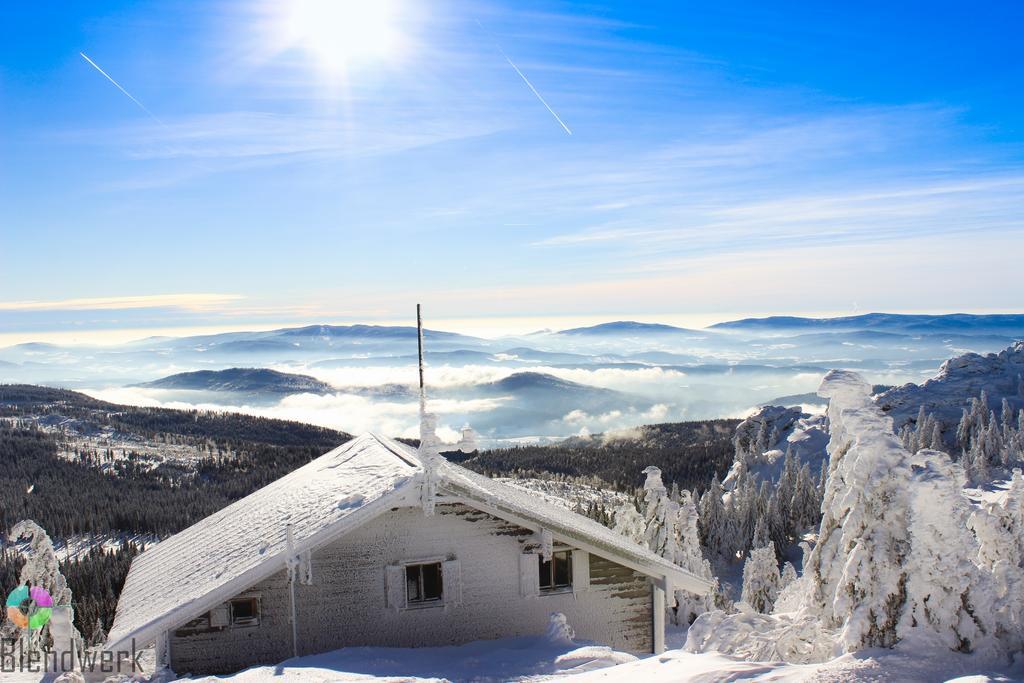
(419,341)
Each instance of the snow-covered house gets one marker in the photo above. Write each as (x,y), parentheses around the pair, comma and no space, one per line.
(378,543)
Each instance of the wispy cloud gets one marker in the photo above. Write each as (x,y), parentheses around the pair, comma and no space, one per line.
(925,206)
(824,179)
(185,148)
(248,134)
(190,302)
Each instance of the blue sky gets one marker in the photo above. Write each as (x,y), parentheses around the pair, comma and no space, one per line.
(724,160)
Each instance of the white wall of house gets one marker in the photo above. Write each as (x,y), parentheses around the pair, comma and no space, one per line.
(348,604)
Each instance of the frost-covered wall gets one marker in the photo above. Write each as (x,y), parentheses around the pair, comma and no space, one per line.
(347,603)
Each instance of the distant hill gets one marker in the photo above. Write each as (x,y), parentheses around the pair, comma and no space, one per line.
(627,327)
(314,339)
(955,323)
(364,331)
(540,381)
(535,403)
(242,380)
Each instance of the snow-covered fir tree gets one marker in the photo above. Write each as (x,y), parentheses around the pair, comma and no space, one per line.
(689,556)
(857,567)
(630,522)
(668,524)
(949,602)
(761,579)
(713,522)
(42,568)
(999,529)
(787,576)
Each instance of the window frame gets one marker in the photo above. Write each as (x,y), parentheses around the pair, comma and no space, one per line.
(246,622)
(424,603)
(553,587)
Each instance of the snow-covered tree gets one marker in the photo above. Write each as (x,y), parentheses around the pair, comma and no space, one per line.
(787,576)
(42,568)
(760,539)
(761,580)
(688,555)
(99,634)
(669,526)
(629,522)
(659,512)
(949,602)
(857,568)
(805,510)
(713,521)
(999,530)
(786,488)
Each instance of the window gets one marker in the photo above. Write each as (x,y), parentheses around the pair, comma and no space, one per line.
(556,573)
(245,612)
(423,583)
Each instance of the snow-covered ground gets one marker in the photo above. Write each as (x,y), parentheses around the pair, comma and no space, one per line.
(507,659)
(537,659)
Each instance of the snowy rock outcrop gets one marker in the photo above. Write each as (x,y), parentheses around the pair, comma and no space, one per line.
(763,439)
(999,375)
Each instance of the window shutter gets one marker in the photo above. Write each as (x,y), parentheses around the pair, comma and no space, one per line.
(580,571)
(529,575)
(394,578)
(451,575)
(220,616)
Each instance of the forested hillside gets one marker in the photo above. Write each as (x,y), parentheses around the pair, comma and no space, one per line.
(688,454)
(93,492)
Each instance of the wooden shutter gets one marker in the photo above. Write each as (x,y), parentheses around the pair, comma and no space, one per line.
(220,616)
(529,575)
(580,571)
(451,575)
(394,579)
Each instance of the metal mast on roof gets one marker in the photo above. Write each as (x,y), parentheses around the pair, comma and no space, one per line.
(419,341)
(429,451)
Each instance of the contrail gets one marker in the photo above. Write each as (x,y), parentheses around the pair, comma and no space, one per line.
(118,86)
(525,80)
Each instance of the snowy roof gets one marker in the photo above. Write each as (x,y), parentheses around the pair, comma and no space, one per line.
(232,549)
(246,542)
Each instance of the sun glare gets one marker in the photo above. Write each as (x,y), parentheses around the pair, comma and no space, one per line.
(341,33)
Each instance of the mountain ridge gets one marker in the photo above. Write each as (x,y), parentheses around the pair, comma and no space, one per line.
(241,380)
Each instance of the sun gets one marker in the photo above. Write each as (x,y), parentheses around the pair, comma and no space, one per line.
(340,34)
